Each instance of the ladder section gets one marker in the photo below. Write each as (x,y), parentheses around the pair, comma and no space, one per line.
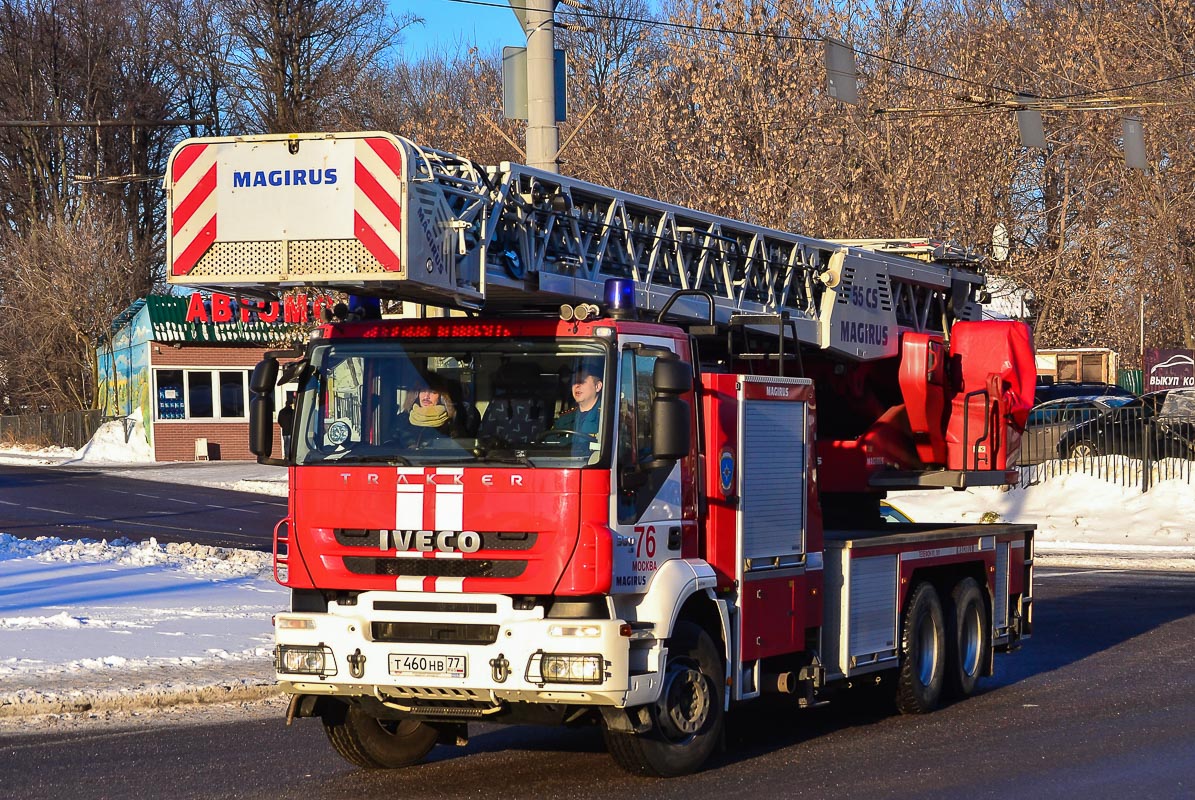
(550,238)
(370,213)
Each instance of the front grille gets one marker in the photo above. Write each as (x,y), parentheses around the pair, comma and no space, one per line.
(434,632)
(438,608)
(490,540)
(435,567)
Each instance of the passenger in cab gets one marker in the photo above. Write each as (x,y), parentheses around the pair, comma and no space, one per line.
(430,415)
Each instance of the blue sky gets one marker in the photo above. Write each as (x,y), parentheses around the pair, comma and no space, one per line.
(448,23)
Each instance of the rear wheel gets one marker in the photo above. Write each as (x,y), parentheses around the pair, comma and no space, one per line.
(377,743)
(921,677)
(967,638)
(687,719)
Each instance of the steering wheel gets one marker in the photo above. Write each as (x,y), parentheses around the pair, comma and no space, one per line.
(563,434)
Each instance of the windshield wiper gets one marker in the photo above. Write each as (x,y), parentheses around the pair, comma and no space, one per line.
(489,457)
(377,458)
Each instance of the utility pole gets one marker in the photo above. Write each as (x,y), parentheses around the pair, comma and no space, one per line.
(543,138)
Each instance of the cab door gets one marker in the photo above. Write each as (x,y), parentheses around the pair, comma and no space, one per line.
(647,506)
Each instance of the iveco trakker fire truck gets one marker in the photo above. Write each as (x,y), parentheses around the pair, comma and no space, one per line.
(714,537)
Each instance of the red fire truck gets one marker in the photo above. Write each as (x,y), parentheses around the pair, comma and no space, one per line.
(634,480)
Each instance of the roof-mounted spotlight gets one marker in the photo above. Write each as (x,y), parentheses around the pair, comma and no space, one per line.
(579,312)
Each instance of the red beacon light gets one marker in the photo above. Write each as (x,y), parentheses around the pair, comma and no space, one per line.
(620,298)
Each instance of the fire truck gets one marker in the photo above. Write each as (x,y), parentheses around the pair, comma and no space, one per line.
(634,480)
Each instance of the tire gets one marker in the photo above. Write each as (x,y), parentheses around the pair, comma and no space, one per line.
(922,673)
(377,744)
(968,639)
(688,719)
(1084,449)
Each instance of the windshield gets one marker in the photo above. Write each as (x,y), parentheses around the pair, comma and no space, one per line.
(416,402)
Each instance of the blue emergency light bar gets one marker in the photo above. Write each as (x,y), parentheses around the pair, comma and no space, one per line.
(620,297)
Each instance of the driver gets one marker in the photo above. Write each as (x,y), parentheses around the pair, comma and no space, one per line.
(587,390)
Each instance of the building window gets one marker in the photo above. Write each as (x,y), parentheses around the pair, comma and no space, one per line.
(1093,368)
(201,394)
(232,395)
(171,403)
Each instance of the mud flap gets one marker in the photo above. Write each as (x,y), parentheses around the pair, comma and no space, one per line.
(627,720)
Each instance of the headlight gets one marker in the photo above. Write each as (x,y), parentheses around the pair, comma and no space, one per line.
(565,668)
(300,660)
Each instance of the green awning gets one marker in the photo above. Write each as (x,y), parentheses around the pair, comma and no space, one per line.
(168,319)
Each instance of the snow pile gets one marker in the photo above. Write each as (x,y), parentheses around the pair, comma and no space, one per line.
(118,441)
(197,559)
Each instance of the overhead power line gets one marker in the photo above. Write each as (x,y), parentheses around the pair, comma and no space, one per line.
(100,123)
(648,21)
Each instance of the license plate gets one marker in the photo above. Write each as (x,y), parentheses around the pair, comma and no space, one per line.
(432,666)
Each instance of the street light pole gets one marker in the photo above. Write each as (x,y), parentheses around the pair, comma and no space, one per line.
(543,138)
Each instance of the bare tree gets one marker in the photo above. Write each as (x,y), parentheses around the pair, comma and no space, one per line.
(451,101)
(62,284)
(296,65)
(612,48)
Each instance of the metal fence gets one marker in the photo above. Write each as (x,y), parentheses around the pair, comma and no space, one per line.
(69,429)
(1125,446)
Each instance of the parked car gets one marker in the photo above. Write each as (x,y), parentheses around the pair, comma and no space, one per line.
(890,513)
(1050,420)
(1160,424)
(1045,392)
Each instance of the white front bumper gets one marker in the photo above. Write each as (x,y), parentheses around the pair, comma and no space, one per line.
(494,672)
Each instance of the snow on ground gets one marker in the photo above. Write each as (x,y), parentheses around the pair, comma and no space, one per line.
(95,629)
(108,625)
(1075,511)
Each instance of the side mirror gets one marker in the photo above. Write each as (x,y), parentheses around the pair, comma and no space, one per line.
(671,418)
(261,411)
(672,376)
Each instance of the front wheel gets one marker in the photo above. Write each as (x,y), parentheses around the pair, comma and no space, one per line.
(688,718)
(377,743)
(923,653)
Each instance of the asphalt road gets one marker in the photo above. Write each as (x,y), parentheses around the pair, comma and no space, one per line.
(77,502)
(1099,704)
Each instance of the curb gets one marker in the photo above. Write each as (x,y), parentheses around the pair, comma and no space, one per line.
(1145,562)
(123,701)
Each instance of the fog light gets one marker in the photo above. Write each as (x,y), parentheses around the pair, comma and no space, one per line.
(300,660)
(565,668)
(584,631)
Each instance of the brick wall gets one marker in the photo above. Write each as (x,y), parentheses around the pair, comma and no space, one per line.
(227,441)
(165,356)
(174,440)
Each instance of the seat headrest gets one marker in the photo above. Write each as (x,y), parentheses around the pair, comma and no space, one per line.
(517,375)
